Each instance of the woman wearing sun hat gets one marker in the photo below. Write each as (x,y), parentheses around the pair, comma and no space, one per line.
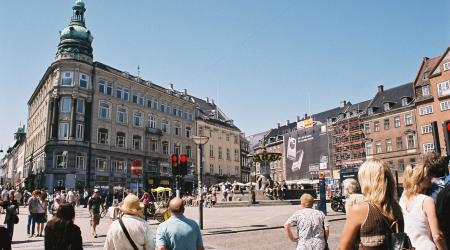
(131,231)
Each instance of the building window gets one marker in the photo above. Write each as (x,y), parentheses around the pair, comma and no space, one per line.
(80,162)
(121,166)
(445,105)
(162,107)
(66,104)
(378,147)
(176,149)
(104,110)
(228,154)
(63,131)
(165,126)
(426,129)
(137,119)
(80,106)
(404,101)
(84,81)
(368,148)
(120,140)
(236,155)
(387,106)
(137,142)
(366,127)
(122,115)
(411,141)
(444,88)
(102,137)
(177,128)
(236,170)
(100,164)
(187,131)
(152,122)
(401,165)
(80,132)
(211,151)
(399,143)
(370,111)
(154,145)
(200,131)
(220,170)
(426,90)
(211,168)
(188,151)
(165,147)
(236,140)
(61,160)
(388,145)
(428,147)
(67,78)
(220,152)
(376,126)
(386,124)
(408,119)
(105,87)
(446,66)
(397,121)
(426,110)
(227,137)
(122,93)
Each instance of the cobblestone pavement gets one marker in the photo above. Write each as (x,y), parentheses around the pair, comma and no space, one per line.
(224,228)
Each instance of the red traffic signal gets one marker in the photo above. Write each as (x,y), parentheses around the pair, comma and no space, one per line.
(174,158)
(183,164)
(447,136)
(183,158)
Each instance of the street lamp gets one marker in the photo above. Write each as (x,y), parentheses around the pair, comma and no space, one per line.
(200,141)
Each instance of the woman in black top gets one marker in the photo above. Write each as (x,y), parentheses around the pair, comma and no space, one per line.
(60,232)
(12,209)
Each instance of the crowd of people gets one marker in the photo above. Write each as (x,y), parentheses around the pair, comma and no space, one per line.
(375,212)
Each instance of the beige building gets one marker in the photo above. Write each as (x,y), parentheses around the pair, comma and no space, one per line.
(88,122)
(221,154)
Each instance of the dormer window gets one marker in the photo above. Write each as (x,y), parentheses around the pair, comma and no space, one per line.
(387,106)
(404,101)
(370,111)
(446,66)
(426,90)
(425,75)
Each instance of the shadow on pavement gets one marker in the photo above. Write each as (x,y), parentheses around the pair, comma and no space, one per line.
(240,231)
(23,241)
(237,227)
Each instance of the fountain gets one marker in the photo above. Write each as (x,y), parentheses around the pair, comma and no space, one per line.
(264,159)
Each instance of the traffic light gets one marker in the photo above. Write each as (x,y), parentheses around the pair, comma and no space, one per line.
(175,168)
(447,136)
(183,164)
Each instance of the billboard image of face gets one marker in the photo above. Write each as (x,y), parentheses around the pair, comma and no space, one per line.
(306,151)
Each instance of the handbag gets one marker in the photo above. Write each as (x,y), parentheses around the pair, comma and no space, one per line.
(15,219)
(125,231)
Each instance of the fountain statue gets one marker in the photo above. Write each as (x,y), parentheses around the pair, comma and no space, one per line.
(264,159)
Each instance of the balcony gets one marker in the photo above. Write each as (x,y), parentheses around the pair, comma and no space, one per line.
(154,131)
(443,94)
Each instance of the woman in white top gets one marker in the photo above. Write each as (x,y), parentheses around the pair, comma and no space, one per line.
(419,213)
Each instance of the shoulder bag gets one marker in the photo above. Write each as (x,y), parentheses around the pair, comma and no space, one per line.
(125,231)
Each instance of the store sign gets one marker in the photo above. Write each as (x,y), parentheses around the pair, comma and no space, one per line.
(136,167)
(305,123)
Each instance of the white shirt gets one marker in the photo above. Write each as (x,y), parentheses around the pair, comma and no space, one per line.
(139,230)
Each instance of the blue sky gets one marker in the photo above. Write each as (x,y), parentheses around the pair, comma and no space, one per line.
(258,59)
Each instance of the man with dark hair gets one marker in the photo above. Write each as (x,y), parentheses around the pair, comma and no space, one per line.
(94,204)
(178,232)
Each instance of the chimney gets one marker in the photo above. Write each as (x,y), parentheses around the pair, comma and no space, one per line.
(343,103)
(306,116)
(425,58)
(278,125)
(185,91)
(287,122)
(207,99)
(380,88)
(171,86)
(298,118)
(212,101)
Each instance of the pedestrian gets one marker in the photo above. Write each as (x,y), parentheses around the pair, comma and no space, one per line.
(130,231)
(71,198)
(32,209)
(5,241)
(178,232)
(351,191)
(11,210)
(284,188)
(419,211)
(94,204)
(18,197)
(61,232)
(312,226)
(146,200)
(85,198)
(368,223)
(41,213)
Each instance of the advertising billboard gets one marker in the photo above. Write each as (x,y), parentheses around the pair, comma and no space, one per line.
(306,151)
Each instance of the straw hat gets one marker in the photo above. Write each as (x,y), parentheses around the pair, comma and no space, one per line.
(131,205)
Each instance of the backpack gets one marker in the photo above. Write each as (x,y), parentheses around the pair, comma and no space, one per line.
(443,211)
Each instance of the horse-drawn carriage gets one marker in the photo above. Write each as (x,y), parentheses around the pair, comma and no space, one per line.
(159,208)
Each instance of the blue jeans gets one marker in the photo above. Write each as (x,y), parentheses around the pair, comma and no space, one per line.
(32,223)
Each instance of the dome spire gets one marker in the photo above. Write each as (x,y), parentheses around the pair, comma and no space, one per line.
(78,13)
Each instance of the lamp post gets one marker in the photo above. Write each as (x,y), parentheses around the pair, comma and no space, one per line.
(200,141)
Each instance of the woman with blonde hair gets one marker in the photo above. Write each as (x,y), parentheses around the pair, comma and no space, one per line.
(421,223)
(368,223)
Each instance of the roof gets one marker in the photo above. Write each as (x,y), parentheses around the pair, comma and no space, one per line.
(210,112)
(427,66)
(393,96)
(433,69)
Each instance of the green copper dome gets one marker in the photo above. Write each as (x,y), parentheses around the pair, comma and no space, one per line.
(79,3)
(76,32)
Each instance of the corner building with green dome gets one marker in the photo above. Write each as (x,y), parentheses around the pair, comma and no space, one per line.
(88,122)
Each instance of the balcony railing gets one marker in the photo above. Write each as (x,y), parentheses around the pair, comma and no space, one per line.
(154,131)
